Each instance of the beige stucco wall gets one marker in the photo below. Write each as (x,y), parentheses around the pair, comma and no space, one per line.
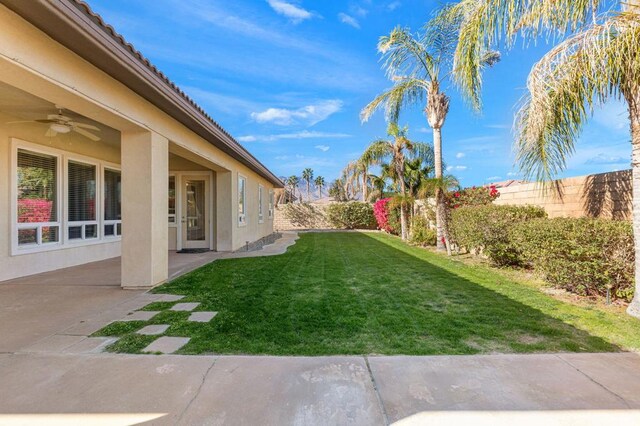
(606,195)
(31,61)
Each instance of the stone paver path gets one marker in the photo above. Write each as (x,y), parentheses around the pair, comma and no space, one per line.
(202,316)
(166,345)
(168,297)
(184,306)
(153,330)
(140,316)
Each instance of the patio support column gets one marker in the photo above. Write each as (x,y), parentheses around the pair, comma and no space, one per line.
(224,211)
(145,242)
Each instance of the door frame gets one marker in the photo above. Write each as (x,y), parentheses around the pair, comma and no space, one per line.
(181,177)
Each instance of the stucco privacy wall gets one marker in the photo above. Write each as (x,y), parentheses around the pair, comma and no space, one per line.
(33,62)
(605,195)
(296,216)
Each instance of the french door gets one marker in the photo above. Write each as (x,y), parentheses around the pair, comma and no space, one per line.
(195,212)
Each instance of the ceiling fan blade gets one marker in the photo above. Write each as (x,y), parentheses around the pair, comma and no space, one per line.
(84,126)
(45,121)
(86,134)
(51,133)
(19,122)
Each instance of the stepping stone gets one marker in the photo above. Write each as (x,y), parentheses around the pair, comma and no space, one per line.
(152,330)
(168,297)
(140,316)
(184,307)
(166,344)
(202,316)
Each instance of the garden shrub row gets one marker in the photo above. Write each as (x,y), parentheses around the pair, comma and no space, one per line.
(351,215)
(583,256)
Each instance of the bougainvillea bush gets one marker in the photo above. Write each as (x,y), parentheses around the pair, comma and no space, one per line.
(34,210)
(474,196)
(387,217)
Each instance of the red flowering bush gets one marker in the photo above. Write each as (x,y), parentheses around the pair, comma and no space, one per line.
(387,216)
(34,210)
(474,196)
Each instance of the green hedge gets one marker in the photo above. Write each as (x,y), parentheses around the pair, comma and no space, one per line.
(486,229)
(582,256)
(421,233)
(351,215)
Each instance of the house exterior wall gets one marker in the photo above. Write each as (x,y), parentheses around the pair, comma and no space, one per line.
(33,62)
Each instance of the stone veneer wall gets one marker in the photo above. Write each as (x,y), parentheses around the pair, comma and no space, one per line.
(605,195)
(300,216)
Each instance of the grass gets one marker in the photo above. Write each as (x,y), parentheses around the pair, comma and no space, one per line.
(369,293)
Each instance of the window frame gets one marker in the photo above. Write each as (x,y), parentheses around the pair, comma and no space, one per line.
(242,217)
(176,188)
(260,201)
(98,203)
(114,222)
(62,159)
(271,203)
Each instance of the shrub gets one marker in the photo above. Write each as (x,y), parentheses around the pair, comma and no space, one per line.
(387,217)
(582,256)
(486,229)
(421,233)
(474,196)
(351,215)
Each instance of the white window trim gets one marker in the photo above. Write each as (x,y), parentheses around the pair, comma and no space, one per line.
(115,222)
(98,203)
(176,176)
(260,202)
(63,158)
(271,203)
(242,217)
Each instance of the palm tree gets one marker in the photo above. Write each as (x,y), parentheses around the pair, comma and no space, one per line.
(598,61)
(319,182)
(356,174)
(395,151)
(293,184)
(307,176)
(423,58)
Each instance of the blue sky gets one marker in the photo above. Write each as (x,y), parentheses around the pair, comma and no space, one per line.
(288,79)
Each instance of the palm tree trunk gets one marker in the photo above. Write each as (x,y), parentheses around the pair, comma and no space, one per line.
(308,191)
(403,211)
(634,115)
(364,186)
(440,207)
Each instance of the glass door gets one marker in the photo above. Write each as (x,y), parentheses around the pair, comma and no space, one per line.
(195,212)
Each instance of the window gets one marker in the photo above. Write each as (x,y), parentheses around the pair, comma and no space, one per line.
(260,215)
(172,200)
(242,200)
(271,203)
(37,199)
(112,203)
(81,201)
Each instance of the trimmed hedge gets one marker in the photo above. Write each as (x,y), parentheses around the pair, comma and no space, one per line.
(351,215)
(421,233)
(486,229)
(582,256)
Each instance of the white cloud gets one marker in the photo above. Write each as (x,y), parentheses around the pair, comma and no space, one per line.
(497,126)
(493,178)
(349,20)
(323,148)
(512,174)
(305,134)
(425,130)
(291,11)
(308,115)
(394,5)
(456,168)
(358,10)
(460,155)
(607,159)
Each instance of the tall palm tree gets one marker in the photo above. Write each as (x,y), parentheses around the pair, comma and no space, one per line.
(599,60)
(395,152)
(307,176)
(319,182)
(293,182)
(356,173)
(418,64)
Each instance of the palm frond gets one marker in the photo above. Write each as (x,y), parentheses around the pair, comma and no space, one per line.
(377,151)
(405,92)
(598,63)
(404,54)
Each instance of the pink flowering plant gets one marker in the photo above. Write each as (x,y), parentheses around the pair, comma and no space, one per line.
(34,210)
(474,196)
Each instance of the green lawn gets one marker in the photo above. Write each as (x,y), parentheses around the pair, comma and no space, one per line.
(369,293)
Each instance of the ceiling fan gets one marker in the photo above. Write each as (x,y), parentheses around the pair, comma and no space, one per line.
(59,123)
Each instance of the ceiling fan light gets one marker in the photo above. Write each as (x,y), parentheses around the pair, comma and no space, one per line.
(60,128)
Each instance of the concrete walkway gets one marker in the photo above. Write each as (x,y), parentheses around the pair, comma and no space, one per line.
(242,390)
